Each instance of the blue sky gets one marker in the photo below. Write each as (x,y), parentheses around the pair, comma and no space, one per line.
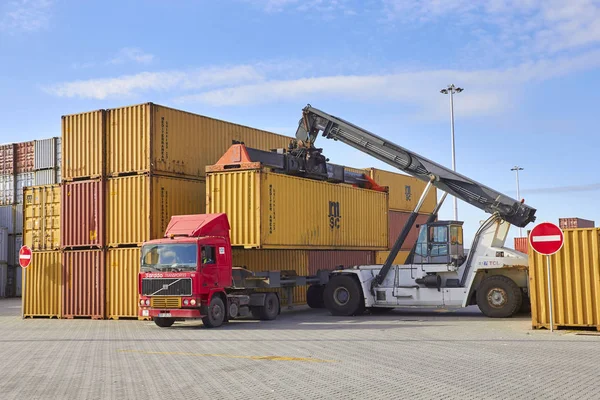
(530,70)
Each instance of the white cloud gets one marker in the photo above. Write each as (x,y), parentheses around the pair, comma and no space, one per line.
(132,54)
(488,91)
(320,6)
(128,85)
(25,15)
(530,27)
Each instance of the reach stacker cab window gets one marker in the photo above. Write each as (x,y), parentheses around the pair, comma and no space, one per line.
(439,242)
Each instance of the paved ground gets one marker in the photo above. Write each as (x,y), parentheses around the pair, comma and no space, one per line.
(303,355)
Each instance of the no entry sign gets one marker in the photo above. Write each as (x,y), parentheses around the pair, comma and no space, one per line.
(24,256)
(546,238)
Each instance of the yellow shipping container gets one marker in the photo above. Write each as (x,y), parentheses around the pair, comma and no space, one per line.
(83,145)
(41,214)
(139,207)
(400,259)
(276,260)
(122,268)
(42,285)
(405,191)
(275,211)
(157,139)
(575,282)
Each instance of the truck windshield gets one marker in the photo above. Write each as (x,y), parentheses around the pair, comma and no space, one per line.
(169,257)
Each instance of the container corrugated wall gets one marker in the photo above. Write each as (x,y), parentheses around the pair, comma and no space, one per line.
(7,189)
(7,159)
(45,177)
(4,244)
(329,260)
(45,153)
(83,141)
(3,279)
(404,190)
(24,180)
(24,157)
(268,210)
(122,268)
(140,207)
(83,284)
(276,260)
(43,285)
(162,140)
(400,259)
(397,219)
(42,217)
(18,219)
(7,218)
(522,244)
(15,242)
(575,282)
(82,214)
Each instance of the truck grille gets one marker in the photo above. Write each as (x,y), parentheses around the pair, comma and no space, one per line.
(165,302)
(167,287)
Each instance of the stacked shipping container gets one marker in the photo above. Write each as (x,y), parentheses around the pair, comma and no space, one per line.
(20,164)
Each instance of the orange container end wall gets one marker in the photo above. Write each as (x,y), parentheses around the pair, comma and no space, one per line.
(575,273)
(82,214)
(397,219)
(122,268)
(42,285)
(83,145)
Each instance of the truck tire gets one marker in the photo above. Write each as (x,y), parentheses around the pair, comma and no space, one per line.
(314,296)
(164,322)
(343,296)
(499,297)
(271,309)
(215,314)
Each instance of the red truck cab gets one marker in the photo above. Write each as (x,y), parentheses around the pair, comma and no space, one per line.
(188,275)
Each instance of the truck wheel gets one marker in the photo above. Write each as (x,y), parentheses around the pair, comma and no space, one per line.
(215,313)
(270,310)
(164,322)
(499,297)
(314,296)
(343,296)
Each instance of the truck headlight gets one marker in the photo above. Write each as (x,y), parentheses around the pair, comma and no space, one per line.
(147,302)
(186,302)
(193,302)
(142,302)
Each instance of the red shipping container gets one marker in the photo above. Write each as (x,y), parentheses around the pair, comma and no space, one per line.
(396,221)
(575,223)
(331,259)
(522,244)
(7,159)
(83,284)
(82,215)
(24,157)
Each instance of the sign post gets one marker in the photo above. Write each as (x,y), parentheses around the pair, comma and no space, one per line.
(25,256)
(547,239)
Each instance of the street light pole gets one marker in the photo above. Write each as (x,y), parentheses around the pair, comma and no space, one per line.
(451,89)
(516,168)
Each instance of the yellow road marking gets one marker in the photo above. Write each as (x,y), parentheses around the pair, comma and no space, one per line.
(267,358)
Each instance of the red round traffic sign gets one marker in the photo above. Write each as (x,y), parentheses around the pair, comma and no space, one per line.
(25,256)
(546,238)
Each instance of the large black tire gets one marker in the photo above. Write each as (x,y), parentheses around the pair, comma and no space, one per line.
(271,309)
(215,313)
(499,297)
(314,296)
(164,322)
(343,296)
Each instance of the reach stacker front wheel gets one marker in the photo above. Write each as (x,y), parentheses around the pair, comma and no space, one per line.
(499,297)
(343,296)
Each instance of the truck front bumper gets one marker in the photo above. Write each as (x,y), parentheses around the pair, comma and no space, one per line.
(183,313)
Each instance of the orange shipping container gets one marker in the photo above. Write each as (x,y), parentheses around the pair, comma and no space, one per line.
(42,285)
(397,220)
(139,207)
(575,273)
(275,211)
(83,145)
(404,190)
(42,217)
(122,268)
(24,158)
(82,214)
(83,284)
(165,141)
(522,244)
